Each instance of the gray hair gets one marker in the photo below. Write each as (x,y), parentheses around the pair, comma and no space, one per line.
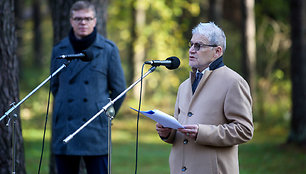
(81,5)
(212,32)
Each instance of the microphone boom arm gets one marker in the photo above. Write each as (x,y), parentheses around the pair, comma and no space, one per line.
(34,90)
(68,138)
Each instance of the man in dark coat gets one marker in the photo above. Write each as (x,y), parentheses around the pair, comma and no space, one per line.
(81,90)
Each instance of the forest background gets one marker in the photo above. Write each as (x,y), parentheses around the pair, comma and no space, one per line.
(155,30)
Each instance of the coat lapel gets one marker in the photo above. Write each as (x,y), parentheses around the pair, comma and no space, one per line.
(201,85)
(204,79)
(77,67)
(207,73)
(80,65)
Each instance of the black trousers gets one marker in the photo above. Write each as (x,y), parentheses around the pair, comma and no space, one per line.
(67,164)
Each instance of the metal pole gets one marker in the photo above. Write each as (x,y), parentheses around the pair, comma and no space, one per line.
(68,138)
(32,92)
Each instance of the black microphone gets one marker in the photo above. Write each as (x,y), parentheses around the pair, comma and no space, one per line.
(170,63)
(85,56)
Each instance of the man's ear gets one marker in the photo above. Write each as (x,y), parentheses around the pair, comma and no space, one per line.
(71,21)
(218,51)
(95,21)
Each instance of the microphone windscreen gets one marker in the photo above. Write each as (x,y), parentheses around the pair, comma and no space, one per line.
(175,62)
(88,56)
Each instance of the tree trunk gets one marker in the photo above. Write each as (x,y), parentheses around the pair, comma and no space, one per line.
(60,18)
(298,72)
(9,93)
(38,59)
(139,42)
(248,43)
(131,52)
(19,29)
(101,8)
(215,10)
(61,26)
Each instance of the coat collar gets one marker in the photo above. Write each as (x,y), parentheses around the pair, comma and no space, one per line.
(82,44)
(216,64)
(213,65)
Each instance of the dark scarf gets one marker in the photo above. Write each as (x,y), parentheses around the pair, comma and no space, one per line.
(216,64)
(82,44)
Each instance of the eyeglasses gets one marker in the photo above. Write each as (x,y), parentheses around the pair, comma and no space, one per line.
(86,19)
(198,46)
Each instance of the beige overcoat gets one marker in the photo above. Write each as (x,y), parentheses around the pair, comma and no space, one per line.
(222,107)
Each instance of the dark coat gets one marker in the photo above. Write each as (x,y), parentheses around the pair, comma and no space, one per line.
(80,91)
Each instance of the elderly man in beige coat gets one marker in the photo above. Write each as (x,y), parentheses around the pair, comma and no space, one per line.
(215,107)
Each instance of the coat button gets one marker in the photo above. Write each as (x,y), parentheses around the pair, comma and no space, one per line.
(184,169)
(70,100)
(190,114)
(185,141)
(85,100)
(86,82)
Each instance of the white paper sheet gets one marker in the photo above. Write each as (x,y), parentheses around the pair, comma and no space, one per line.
(161,117)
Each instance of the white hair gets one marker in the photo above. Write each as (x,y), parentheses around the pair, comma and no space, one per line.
(212,32)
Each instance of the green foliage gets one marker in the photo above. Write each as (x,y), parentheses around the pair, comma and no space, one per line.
(162,37)
(273,101)
(232,57)
(31,76)
(277,9)
(166,33)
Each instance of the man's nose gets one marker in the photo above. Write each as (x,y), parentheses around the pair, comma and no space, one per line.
(192,50)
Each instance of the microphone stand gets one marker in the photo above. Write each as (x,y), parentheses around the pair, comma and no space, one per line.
(32,92)
(110,114)
(13,140)
(105,108)
(7,113)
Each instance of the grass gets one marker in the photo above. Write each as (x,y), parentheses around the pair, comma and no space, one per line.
(271,158)
(264,154)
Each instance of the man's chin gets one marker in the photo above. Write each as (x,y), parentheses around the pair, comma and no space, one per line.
(193,64)
(83,34)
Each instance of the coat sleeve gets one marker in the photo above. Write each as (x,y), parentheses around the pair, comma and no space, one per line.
(238,113)
(116,78)
(54,80)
